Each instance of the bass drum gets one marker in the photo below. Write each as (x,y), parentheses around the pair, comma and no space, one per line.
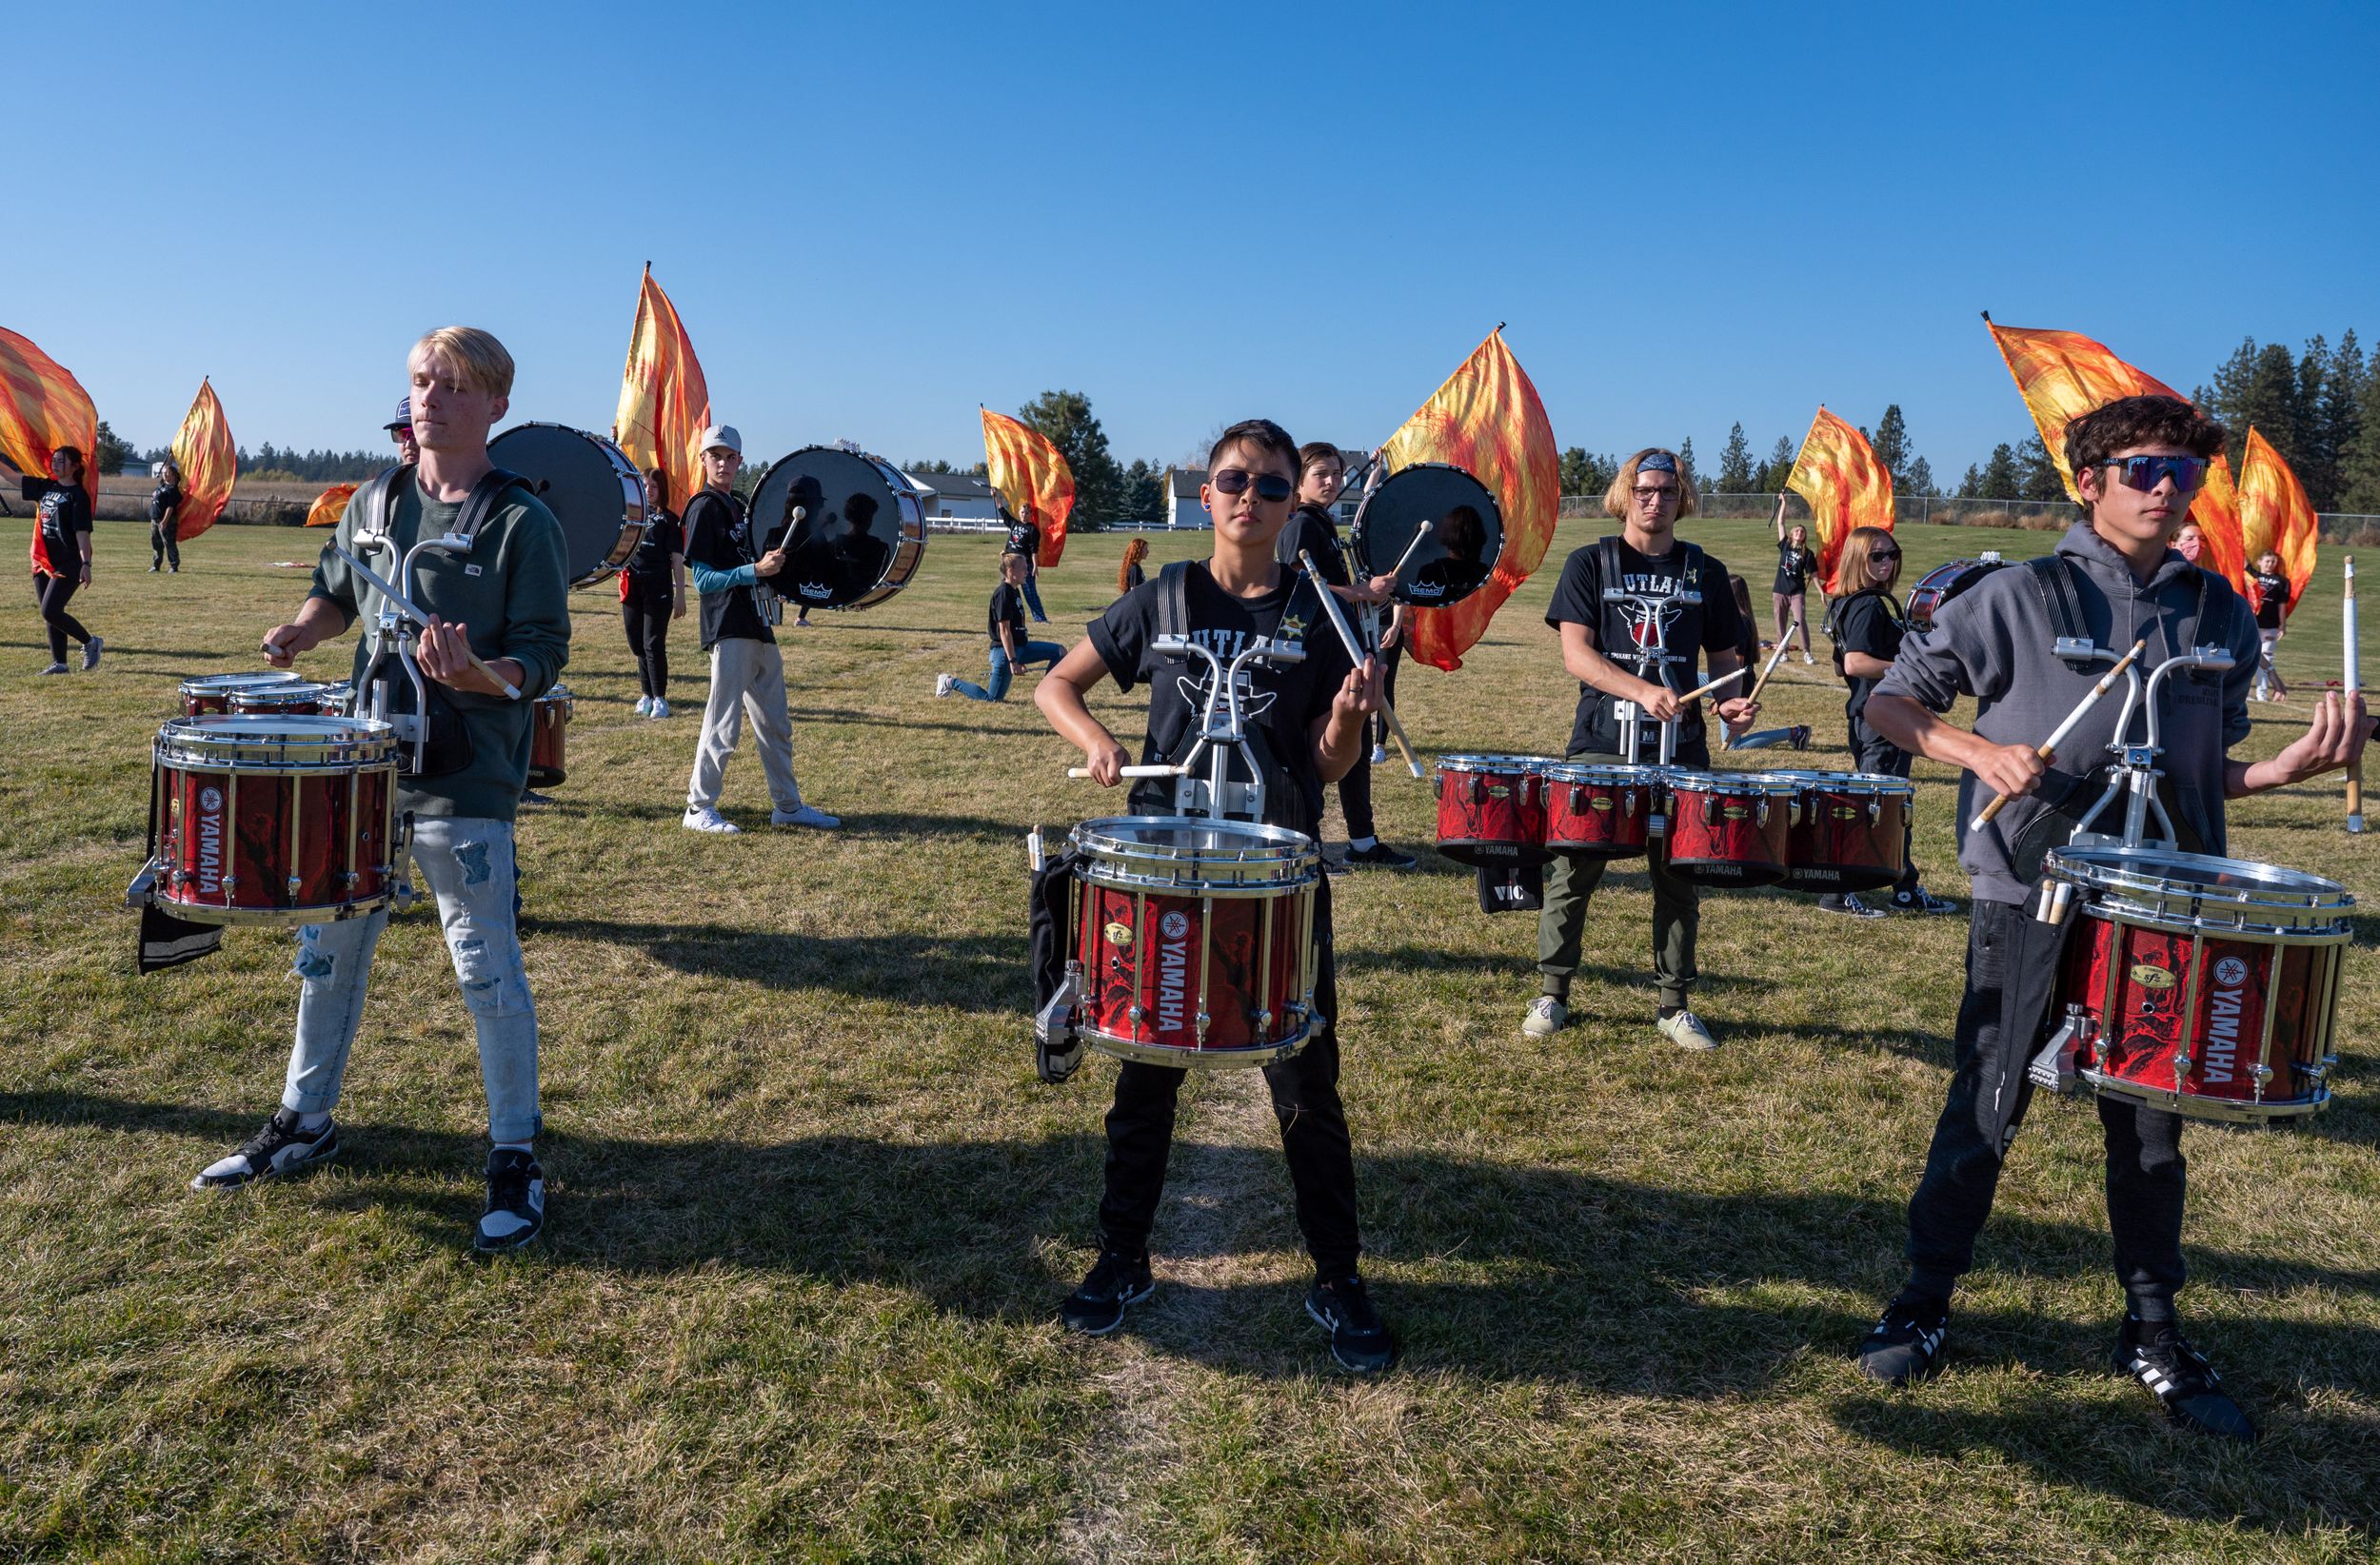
(591,488)
(1466,535)
(1943,582)
(862,533)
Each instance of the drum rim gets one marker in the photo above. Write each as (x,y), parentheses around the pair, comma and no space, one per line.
(632,529)
(908,538)
(1766,784)
(1883,783)
(1356,534)
(294,690)
(1581,771)
(2199,1105)
(1167,1054)
(2087,868)
(1463,762)
(207,684)
(203,743)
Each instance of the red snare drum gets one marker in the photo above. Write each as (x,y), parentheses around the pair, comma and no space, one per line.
(300,698)
(1945,582)
(272,819)
(209,695)
(1728,828)
(1195,938)
(548,724)
(1850,831)
(2202,985)
(1490,808)
(1602,811)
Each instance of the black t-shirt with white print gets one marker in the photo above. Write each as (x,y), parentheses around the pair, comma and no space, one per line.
(719,537)
(1023,538)
(1281,703)
(1008,609)
(2272,599)
(1312,529)
(1619,628)
(1794,567)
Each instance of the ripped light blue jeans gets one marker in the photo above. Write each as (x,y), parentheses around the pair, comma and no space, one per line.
(468,863)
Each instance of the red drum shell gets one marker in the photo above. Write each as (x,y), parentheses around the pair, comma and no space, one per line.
(1728,829)
(1601,812)
(224,826)
(1490,809)
(548,726)
(1850,831)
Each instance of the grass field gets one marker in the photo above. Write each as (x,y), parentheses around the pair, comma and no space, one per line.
(812,1214)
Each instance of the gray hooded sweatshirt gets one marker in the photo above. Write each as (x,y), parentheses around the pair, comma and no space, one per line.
(1992,643)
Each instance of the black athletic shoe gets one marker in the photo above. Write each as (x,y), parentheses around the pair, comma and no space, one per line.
(2178,1375)
(1922,901)
(1359,1339)
(1381,855)
(275,1152)
(1118,1279)
(516,1203)
(1906,1345)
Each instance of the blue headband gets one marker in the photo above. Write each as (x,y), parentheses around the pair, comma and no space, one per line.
(1660,462)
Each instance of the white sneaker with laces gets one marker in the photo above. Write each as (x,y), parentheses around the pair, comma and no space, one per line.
(806,815)
(941,685)
(709,819)
(1547,1015)
(1379,755)
(661,707)
(644,706)
(1807,660)
(1686,1030)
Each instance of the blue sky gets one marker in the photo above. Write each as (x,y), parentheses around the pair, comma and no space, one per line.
(874,217)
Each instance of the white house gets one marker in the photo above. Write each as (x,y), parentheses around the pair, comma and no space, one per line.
(957,496)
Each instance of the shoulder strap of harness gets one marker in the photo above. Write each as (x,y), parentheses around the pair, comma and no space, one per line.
(481,503)
(374,500)
(1173,600)
(2053,578)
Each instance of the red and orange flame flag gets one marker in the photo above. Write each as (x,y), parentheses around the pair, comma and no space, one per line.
(664,403)
(1486,420)
(43,408)
(331,505)
(2275,515)
(210,462)
(1033,479)
(1839,473)
(2063,375)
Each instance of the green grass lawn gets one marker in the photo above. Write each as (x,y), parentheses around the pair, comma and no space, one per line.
(812,1214)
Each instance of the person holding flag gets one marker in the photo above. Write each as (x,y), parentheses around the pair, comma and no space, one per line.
(62,554)
(165,518)
(1789,594)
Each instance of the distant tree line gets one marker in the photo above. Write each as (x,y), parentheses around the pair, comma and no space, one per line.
(2320,407)
(1106,493)
(270,462)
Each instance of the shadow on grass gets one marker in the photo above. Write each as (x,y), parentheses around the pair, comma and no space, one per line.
(981,973)
(1428,958)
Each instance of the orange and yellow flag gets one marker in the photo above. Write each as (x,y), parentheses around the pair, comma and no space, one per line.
(1033,479)
(2063,375)
(210,462)
(1838,474)
(2275,514)
(1486,420)
(331,505)
(664,403)
(43,408)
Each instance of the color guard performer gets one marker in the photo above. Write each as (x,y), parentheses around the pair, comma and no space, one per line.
(62,554)
(2137,462)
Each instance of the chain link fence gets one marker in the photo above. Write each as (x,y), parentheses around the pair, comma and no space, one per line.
(2361,530)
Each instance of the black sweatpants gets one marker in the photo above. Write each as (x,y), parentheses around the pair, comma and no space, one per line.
(1873,752)
(2011,964)
(165,545)
(645,612)
(1313,1138)
(53,593)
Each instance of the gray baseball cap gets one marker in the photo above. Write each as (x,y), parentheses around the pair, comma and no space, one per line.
(723,434)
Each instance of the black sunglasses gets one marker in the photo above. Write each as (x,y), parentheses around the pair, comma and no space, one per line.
(1269,485)
(2146,472)
(1884,554)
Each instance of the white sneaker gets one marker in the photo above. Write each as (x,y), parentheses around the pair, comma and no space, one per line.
(1547,1015)
(55,668)
(1807,660)
(1379,755)
(806,815)
(660,708)
(90,653)
(709,819)
(1686,1030)
(941,685)
(644,706)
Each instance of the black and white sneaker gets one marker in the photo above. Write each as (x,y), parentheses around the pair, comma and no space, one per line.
(2178,1375)
(1359,1339)
(275,1152)
(1922,901)
(1906,1345)
(1381,855)
(1115,1280)
(1849,905)
(516,1203)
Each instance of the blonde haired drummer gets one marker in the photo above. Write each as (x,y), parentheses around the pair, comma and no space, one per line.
(2137,464)
(500,615)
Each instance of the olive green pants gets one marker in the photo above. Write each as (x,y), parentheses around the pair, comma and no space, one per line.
(1570,880)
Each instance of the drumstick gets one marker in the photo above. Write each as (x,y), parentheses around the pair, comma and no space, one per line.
(1135,771)
(1419,533)
(404,605)
(1705,689)
(2048,749)
(2353,673)
(1347,635)
(1783,646)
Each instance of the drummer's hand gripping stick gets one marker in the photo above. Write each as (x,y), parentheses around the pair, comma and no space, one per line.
(2048,749)
(1222,733)
(1354,651)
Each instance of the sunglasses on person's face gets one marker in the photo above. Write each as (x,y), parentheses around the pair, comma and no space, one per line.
(1269,485)
(2146,472)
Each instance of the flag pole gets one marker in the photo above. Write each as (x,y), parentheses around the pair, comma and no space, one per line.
(2352,678)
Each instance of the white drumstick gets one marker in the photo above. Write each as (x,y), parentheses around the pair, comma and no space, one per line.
(1701,690)
(1135,771)
(1419,533)
(2047,750)
(1347,635)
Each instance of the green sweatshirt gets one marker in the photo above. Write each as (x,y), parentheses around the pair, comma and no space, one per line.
(511,592)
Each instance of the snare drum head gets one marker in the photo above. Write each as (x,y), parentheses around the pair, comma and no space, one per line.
(216,684)
(845,542)
(259,736)
(1466,534)
(1942,584)
(1190,836)
(2179,875)
(590,486)
(1497,762)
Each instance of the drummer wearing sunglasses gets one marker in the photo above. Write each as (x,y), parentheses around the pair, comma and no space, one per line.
(2137,462)
(1306,723)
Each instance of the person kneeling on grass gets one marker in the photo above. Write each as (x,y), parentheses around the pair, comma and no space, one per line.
(1306,721)
(1010,649)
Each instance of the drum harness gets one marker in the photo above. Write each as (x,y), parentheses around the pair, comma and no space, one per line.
(1652,657)
(2133,775)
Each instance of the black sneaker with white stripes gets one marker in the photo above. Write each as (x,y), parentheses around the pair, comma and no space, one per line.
(1906,1345)
(516,1203)
(275,1152)
(1359,1339)
(1116,1279)
(2178,1375)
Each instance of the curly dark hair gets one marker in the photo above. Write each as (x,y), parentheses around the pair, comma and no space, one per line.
(2139,421)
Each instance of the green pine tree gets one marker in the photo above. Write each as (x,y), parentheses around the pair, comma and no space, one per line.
(1735,462)
(1891,440)
(1066,420)
(2002,479)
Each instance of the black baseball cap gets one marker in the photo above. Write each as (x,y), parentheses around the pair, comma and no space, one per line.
(405,416)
